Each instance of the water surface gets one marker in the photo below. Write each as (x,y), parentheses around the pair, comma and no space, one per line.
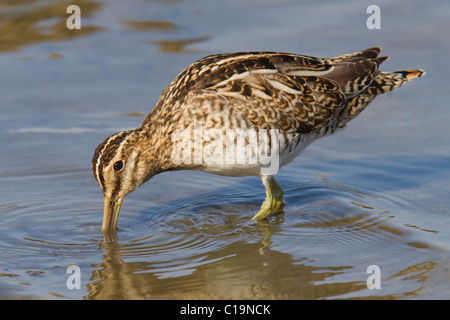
(374,194)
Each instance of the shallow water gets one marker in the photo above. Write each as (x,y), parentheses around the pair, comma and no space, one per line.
(374,194)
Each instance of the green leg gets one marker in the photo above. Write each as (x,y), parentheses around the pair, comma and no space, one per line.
(274,198)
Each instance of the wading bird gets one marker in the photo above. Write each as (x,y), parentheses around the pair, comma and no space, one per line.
(301,97)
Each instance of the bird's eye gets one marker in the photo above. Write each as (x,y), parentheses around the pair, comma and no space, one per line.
(118,166)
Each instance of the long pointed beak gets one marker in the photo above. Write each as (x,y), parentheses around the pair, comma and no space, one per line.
(111,213)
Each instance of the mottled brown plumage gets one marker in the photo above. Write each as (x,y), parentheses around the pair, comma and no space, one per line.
(301,97)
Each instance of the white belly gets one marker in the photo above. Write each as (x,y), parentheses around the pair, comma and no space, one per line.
(253,162)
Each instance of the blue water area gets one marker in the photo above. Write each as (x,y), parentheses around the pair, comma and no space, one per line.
(375,194)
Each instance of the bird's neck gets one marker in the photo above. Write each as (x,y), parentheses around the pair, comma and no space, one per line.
(155,145)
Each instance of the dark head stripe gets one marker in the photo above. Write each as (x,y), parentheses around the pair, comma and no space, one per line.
(104,153)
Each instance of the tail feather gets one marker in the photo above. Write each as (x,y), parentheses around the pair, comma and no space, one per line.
(408,75)
(383,82)
(360,80)
(370,53)
(388,81)
(382,59)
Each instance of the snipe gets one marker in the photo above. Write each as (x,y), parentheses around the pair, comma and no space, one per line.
(295,98)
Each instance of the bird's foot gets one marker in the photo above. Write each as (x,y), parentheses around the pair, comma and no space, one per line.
(268,207)
(274,199)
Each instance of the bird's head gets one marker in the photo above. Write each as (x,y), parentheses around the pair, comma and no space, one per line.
(118,166)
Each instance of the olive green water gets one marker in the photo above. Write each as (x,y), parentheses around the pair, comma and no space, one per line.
(377,193)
